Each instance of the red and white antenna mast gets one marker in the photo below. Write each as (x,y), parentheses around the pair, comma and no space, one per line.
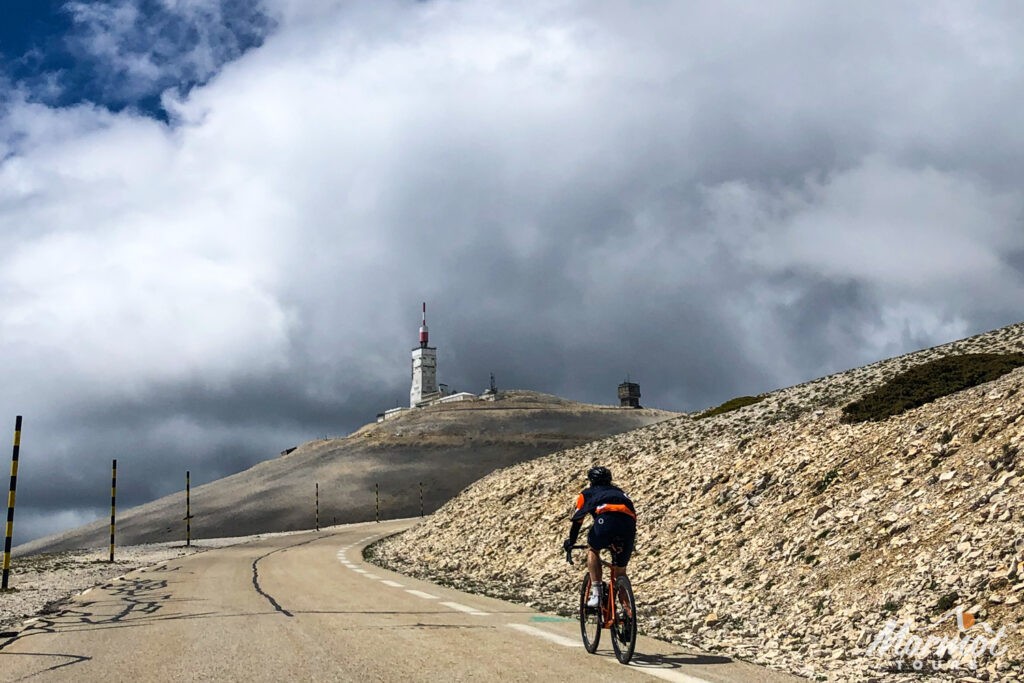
(424,334)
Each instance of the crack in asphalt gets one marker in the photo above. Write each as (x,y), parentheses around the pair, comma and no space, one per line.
(256,573)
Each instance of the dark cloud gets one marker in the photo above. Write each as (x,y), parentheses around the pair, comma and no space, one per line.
(715,202)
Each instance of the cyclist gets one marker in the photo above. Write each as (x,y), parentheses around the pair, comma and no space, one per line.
(614,526)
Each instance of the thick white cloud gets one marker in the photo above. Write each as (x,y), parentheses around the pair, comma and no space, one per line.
(125,266)
(718,200)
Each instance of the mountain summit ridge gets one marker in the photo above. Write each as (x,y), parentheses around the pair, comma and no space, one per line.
(446,447)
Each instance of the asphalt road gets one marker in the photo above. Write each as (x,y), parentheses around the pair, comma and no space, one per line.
(305,607)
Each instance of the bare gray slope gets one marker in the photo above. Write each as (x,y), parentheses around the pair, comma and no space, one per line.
(446,447)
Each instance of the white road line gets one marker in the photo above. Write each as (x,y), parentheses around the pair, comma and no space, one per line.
(421,594)
(664,674)
(85,591)
(393,584)
(462,608)
(371,576)
(359,571)
(547,635)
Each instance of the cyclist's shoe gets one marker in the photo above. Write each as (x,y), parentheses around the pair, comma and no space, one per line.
(595,597)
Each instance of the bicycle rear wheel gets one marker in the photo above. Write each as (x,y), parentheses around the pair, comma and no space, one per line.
(590,619)
(624,627)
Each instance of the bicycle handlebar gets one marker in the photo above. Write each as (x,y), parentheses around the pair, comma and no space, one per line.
(568,553)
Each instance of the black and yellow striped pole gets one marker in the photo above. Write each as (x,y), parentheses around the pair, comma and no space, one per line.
(113,506)
(10,503)
(318,506)
(377,488)
(421,499)
(188,508)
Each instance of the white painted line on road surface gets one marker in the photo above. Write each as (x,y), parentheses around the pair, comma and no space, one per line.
(547,635)
(368,575)
(421,594)
(359,571)
(85,591)
(664,674)
(462,608)
(393,584)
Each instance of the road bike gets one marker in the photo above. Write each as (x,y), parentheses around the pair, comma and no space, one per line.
(615,611)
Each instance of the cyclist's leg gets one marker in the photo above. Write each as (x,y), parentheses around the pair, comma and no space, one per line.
(597,540)
(594,566)
(623,549)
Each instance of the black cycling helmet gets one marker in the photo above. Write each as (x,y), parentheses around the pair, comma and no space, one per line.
(599,475)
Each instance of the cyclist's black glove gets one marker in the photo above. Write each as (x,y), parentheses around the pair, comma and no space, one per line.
(567,544)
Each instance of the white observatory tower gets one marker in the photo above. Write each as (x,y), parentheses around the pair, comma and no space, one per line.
(424,367)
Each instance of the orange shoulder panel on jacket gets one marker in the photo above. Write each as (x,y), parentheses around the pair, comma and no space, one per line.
(579,502)
(615,507)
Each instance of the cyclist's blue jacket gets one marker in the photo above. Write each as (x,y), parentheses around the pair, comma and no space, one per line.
(601,499)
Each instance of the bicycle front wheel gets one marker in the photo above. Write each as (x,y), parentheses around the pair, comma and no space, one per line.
(624,627)
(590,619)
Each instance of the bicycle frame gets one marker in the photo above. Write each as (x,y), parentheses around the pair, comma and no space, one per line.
(618,619)
(608,606)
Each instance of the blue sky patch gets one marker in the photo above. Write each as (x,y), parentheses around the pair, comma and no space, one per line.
(121,53)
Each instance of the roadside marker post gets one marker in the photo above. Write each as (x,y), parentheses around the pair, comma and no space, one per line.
(10,504)
(318,506)
(113,505)
(188,509)
(377,489)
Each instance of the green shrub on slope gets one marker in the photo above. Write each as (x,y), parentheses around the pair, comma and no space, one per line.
(929,381)
(731,404)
